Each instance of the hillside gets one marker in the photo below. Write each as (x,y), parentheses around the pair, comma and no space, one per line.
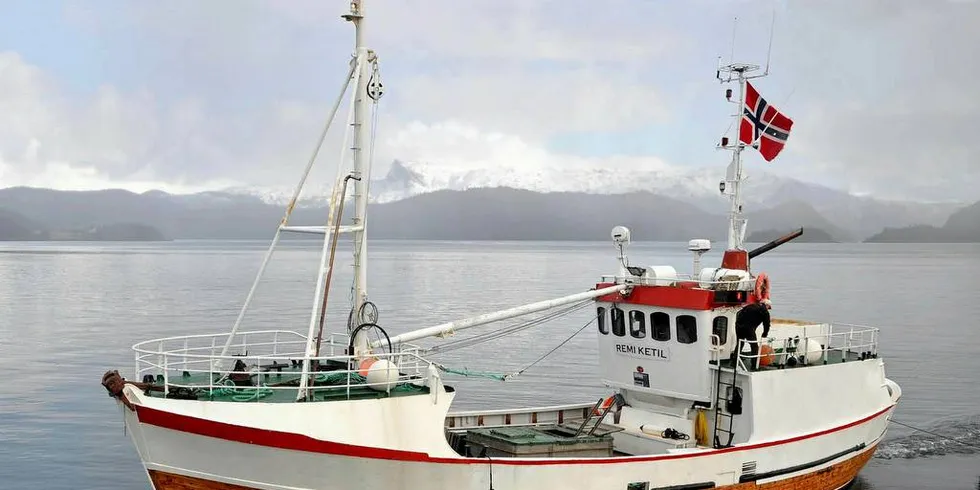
(475,214)
(856,216)
(16,227)
(962,226)
(810,235)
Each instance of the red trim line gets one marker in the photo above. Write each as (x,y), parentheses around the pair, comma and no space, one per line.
(682,297)
(299,442)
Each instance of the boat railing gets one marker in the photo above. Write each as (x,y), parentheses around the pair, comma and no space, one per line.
(257,364)
(817,344)
(740,284)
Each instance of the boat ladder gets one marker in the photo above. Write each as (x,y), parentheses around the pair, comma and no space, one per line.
(725,409)
(597,414)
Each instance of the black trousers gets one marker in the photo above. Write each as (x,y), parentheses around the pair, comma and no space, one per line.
(748,333)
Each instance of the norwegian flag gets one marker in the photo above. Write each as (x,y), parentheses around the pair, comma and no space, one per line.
(763,124)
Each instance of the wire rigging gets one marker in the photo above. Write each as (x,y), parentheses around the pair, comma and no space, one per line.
(495,334)
(504,377)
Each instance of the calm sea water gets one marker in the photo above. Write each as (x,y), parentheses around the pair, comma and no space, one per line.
(69,312)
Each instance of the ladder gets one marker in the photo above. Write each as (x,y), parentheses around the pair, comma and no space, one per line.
(724,392)
(596,417)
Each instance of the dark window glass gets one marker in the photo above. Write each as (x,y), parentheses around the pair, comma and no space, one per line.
(660,326)
(601,318)
(618,322)
(638,324)
(720,328)
(687,329)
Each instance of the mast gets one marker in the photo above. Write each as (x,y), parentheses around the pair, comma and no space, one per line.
(362,162)
(735,256)
(366,89)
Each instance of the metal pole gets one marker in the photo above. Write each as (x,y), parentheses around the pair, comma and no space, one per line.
(321,270)
(450,327)
(362,163)
(289,210)
(735,214)
(333,252)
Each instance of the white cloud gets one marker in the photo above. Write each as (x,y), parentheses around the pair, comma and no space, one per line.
(462,146)
(237,90)
(534,106)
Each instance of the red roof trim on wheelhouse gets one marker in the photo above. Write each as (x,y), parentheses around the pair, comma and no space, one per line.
(685,296)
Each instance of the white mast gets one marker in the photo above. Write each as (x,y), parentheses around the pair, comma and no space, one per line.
(365,88)
(362,161)
(735,175)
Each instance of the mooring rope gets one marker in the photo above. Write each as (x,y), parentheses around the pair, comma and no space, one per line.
(951,439)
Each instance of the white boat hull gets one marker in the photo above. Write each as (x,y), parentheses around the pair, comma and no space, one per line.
(184,451)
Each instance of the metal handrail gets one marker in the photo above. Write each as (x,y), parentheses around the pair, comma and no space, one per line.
(856,339)
(178,358)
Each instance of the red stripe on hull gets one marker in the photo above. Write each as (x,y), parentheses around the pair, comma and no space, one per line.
(829,478)
(299,442)
(685,298)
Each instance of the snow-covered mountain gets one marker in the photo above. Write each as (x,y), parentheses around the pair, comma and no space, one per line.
(861,215)
(407,179)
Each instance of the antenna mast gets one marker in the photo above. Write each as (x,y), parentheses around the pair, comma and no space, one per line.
(735,175)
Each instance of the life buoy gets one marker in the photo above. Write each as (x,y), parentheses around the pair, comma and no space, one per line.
(762,286)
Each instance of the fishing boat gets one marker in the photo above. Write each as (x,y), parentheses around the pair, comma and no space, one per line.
(690,404)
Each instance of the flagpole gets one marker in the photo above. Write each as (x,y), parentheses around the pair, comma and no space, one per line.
(736,72)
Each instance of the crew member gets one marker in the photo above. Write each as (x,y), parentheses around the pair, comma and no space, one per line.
(747,320)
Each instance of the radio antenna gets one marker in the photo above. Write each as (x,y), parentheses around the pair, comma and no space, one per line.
(731,58)
(772,28)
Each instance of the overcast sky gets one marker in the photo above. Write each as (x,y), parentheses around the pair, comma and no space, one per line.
(193,94)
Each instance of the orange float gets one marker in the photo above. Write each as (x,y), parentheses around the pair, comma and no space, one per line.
(766,355)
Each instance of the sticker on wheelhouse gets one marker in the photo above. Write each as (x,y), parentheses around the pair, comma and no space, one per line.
(641,378)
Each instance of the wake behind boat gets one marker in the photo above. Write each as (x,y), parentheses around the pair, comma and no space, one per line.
(696,402)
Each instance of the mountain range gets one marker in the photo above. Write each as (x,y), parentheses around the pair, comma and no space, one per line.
(854,217)
(498,213)
(962,226)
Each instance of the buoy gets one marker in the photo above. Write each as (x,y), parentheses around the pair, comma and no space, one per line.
(814,352)
(382,375)
(365,365)
(762,286)
(766,355)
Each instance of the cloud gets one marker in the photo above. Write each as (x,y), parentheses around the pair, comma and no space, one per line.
(133,140)
(235,92)
(887,96)
(463,146)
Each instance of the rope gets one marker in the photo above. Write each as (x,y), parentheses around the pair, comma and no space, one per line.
(529,366)
(504,377)
(242,394)
(493,335)
(967,444)
(473,374)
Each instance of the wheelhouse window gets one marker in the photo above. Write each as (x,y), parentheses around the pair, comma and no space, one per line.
(687,329)
(660,326)
(618,322)
(601,319)
(638,324)
(719,329)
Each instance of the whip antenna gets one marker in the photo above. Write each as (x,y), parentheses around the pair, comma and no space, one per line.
(772,28)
